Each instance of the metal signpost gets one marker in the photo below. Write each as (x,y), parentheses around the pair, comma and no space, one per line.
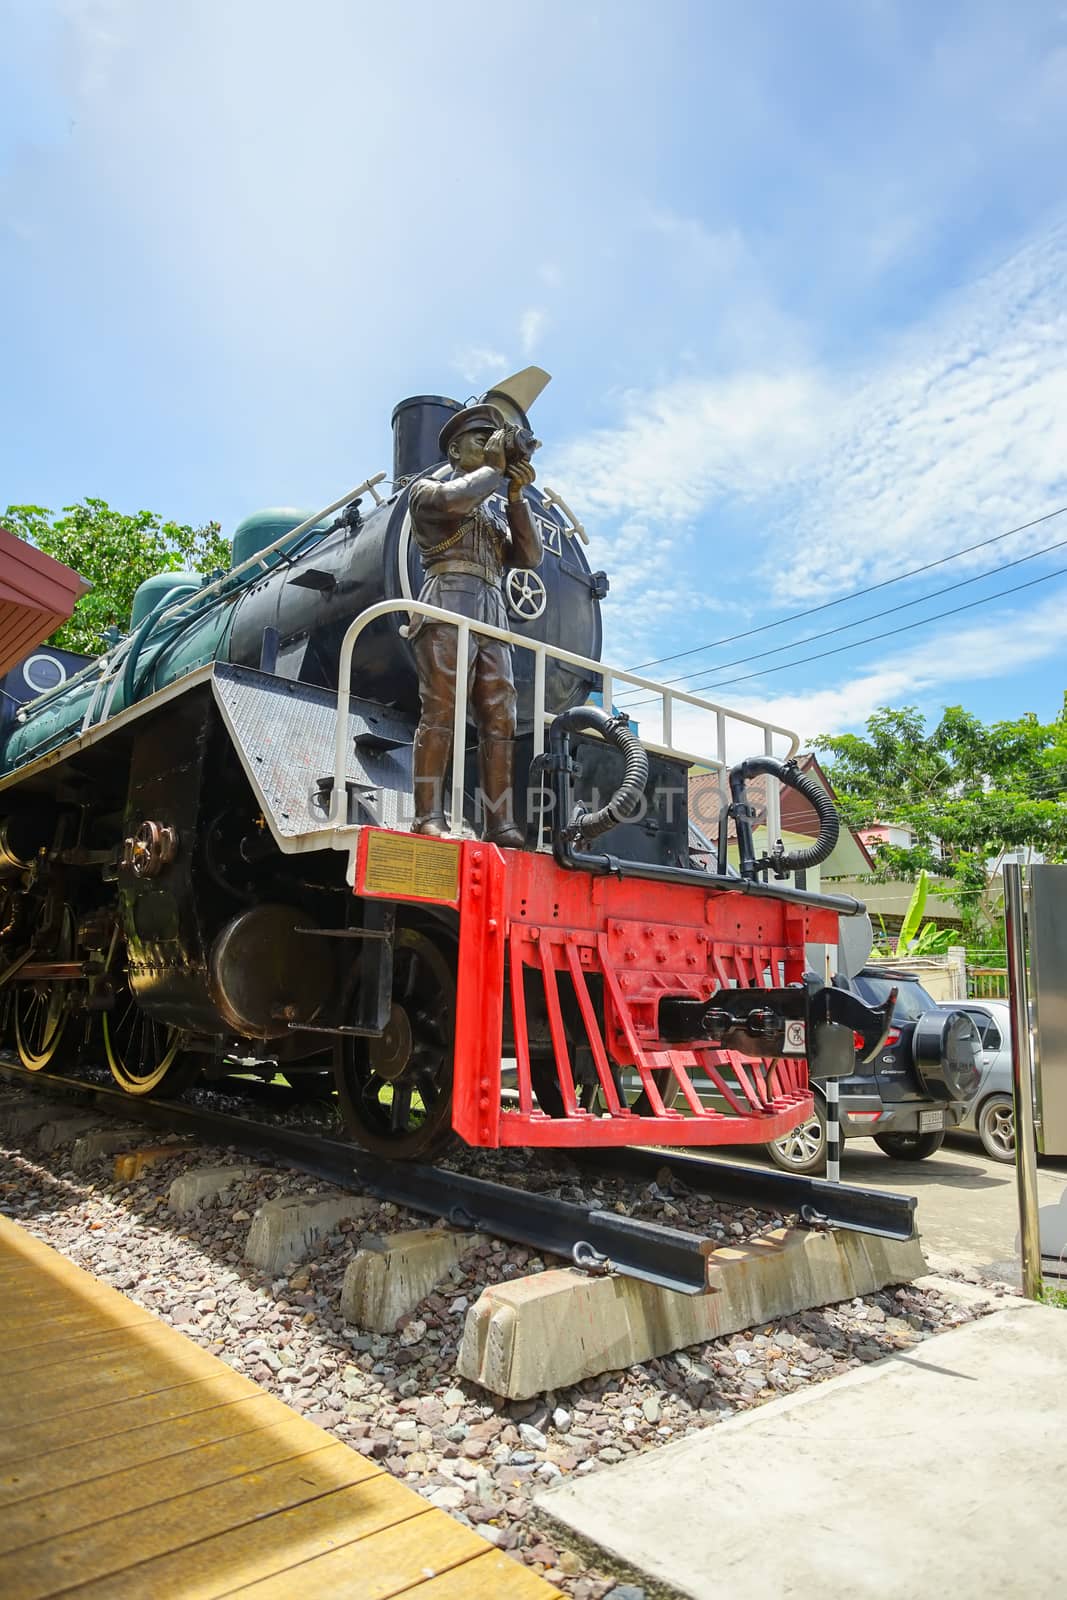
(833,1130)
(1046,924)
(1022,1077)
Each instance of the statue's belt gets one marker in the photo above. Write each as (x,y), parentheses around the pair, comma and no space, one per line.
(468,569)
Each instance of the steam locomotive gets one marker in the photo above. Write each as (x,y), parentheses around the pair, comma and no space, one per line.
(207,864)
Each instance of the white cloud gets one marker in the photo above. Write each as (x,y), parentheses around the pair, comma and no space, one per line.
(1002,642)
(649,591)
(99,26)
(962,434)
(695,245)
(478,361)
(531,326)
(695,440)
(951,433)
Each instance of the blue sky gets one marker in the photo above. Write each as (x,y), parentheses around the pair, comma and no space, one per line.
(797,271)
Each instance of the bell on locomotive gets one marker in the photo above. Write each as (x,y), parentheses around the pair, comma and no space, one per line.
(360,812)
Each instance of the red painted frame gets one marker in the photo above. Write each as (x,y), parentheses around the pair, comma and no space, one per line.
(641,940)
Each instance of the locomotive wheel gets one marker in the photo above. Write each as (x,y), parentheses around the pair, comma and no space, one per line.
(395,1093)
(145,1056)
(42,1010)
(41,1015)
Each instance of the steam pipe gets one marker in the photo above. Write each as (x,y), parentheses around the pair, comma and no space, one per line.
(138,640)
(560,764)
(102,663)
(627,798)
(779,859)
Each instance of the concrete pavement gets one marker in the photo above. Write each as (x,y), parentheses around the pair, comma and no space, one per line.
(940,1470)
(968,1211)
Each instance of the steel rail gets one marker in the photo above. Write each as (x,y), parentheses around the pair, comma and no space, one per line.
(839,1205)
(593,1239)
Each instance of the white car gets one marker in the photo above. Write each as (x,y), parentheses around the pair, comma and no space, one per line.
(991,1114)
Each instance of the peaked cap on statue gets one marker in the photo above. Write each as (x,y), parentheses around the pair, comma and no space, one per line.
(480,416)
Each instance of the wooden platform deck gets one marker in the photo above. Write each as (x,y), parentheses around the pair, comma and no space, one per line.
(135,1464)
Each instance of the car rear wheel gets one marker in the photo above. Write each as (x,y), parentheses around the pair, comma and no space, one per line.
(996,1127)
(803,1150)
(909,1146)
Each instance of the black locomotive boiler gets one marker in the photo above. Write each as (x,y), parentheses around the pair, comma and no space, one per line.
(182,889)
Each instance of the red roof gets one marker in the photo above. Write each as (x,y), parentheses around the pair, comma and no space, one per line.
(37,595)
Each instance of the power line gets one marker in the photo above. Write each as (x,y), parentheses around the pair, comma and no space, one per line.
(796,616)
(874,638)
(858,622)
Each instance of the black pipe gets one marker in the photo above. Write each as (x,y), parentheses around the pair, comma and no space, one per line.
(781,860)
(560,763)
(602,865)
(626,801)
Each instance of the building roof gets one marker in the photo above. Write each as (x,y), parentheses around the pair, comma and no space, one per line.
(37,595)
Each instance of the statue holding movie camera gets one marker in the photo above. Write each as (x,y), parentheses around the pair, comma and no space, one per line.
(467,545)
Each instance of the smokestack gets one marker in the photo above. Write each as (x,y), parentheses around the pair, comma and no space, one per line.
(416,424)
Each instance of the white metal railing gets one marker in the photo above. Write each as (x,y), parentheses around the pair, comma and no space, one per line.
(542,653)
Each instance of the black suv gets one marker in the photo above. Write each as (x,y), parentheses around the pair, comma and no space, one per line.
(919,1083)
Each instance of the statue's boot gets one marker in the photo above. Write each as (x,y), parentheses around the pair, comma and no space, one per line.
(429,764)
(496,761)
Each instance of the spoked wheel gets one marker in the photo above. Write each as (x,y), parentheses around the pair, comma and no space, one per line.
(996,1127)
(803,1149)
(145,1056)
(42,1009)
(395,1093)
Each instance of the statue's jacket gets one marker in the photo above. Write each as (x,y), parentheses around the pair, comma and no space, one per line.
(465,546)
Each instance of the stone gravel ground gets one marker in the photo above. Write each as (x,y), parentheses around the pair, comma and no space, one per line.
(552,1173)
(547,1172)
(395,1397)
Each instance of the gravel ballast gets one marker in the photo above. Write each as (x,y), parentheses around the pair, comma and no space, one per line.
(395,1397)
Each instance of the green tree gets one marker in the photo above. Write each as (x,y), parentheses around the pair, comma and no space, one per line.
(116,553)
(969,794)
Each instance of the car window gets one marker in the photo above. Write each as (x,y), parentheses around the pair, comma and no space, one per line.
(913,1001)
(988,1031)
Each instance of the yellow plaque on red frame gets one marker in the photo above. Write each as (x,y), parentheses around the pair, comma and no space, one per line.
(406,865)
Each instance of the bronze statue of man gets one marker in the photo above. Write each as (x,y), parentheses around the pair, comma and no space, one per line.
(466,545)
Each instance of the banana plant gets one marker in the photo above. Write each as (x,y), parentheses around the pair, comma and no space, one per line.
(918,938)
(910,927)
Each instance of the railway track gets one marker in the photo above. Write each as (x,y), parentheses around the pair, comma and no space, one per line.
(595,1240)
